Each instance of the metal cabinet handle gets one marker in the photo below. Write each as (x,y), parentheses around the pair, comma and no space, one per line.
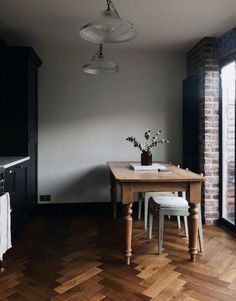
(19,166)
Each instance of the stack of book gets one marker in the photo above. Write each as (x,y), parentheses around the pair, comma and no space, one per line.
(153,167)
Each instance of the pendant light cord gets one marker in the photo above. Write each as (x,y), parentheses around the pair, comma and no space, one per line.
(110,5)
(99,53)
(100,50)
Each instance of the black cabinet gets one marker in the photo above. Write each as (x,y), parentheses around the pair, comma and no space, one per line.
(16,183)
(191,123)
(2,181)
(18,103)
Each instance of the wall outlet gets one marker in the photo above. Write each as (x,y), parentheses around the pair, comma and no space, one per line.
(45,198)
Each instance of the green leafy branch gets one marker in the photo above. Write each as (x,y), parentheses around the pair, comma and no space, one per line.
(148,144)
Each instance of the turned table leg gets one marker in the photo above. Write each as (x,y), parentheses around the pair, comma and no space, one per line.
(113,196)
(127,208)
(193,231)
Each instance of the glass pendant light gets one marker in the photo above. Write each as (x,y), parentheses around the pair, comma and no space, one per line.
(109,28)
(100,65)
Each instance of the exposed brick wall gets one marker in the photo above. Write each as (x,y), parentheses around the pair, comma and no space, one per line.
(202,60)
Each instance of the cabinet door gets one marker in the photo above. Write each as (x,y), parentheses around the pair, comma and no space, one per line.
(33,133)
(21,192)
(10,186)
(16,185)
(2,181)
(13,101)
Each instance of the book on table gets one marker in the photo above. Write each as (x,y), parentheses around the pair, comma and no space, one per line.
(153,167)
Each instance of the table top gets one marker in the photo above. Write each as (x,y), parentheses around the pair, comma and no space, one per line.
(123,173)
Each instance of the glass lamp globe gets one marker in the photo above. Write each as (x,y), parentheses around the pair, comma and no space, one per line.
(108,28)
(100,65)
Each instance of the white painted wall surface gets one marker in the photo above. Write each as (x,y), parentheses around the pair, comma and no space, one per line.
(84,119)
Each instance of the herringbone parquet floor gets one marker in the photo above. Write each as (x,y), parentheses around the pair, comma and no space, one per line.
(78,257)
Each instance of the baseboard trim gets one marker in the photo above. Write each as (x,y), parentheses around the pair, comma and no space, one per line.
(78,208)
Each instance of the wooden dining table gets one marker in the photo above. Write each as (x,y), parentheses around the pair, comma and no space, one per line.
(173,179)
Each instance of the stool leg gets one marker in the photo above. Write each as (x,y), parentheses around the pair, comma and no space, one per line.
(186,226)
(146,201)
(150,225)
(178,222)
(160,231)
(200,232)
(139,206)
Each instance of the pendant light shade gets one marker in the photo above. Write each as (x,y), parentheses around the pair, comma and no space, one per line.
(108,28)
(100,65)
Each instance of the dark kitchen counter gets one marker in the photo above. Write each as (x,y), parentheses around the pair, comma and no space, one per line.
(6,162)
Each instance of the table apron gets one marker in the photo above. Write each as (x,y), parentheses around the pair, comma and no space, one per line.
(193,189)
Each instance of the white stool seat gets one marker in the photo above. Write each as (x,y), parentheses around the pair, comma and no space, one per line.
(144,197)
(153,194)
(167,202)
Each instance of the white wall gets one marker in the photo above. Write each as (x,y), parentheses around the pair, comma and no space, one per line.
(84,119)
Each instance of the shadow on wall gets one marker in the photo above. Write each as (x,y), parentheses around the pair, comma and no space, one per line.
(92,186)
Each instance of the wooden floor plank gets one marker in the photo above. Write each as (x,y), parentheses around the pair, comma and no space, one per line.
(77,280)
(77,257)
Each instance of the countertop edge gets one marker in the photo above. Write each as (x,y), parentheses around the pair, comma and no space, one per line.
(13,163)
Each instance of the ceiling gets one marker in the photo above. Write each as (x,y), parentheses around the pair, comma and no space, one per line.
(173,25)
